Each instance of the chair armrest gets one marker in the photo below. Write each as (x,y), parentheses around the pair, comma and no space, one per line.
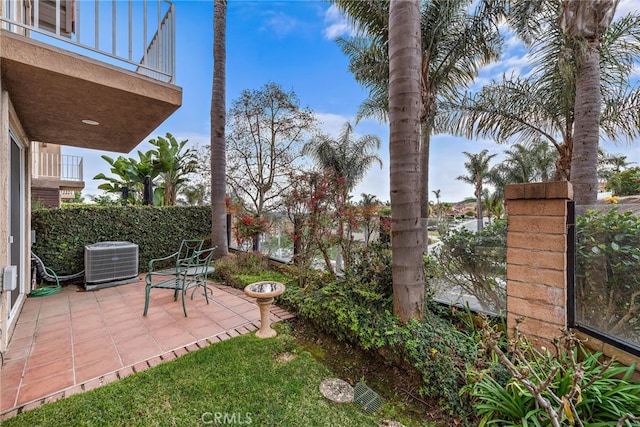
(168,257)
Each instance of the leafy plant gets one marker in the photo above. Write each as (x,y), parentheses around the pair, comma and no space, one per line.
(169,161)
(173,163)
(566,385)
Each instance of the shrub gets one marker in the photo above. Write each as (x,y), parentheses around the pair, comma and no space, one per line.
(442,354)
(236,268)
(358,308)
(568,385)
(247,227)
(625,183)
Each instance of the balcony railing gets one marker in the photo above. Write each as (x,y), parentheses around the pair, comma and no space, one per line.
(59,166)
(133,34)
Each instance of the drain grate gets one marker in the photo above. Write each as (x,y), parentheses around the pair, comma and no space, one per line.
(368,400)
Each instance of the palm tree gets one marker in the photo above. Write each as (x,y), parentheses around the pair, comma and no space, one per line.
(523,163)
(404,148)
(456,42)
(585,23)
(348,160)
(194,194)
(611,164)
(438,208)
(218,142)
(493,204)
(478,167)
(541,107)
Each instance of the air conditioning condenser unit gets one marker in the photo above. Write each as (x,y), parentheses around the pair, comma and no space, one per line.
(110,264)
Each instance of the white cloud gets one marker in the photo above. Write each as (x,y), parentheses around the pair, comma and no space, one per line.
(280,23)
(514,64)
(511,42)
(331,123)
(337,24)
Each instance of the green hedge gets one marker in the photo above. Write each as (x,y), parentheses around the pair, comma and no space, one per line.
(61,234)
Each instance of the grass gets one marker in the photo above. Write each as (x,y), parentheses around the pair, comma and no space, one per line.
(240,381)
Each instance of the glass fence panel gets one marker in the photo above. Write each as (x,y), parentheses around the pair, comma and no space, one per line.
(468,267)
(607,271)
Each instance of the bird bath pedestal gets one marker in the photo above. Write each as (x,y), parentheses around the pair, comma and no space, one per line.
(264,292)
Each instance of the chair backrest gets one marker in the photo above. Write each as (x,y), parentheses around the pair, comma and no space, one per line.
(188,248)
(199,263)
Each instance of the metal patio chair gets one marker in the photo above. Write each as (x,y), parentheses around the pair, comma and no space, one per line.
(189,273)
(169,278)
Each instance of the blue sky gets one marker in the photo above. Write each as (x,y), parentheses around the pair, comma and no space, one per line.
(291,43)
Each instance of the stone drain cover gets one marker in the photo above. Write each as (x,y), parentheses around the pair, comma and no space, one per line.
(337,390)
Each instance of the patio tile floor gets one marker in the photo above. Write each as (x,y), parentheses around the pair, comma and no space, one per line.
(76,340)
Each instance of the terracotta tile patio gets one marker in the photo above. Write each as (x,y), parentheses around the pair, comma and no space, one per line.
(75,340)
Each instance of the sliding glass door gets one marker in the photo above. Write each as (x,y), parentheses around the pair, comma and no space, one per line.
(16,217)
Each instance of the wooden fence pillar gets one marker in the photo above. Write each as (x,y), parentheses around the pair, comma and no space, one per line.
(537,258)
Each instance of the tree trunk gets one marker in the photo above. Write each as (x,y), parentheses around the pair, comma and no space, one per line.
(563,163)
(218,142)
(479,215)
(586,22)
(404,149)
(297,240)
(584,158)
(424,184)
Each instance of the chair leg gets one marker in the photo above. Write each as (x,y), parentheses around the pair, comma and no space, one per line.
(146,300)
(196,282)
(206,290)
(184,306)
(201,282)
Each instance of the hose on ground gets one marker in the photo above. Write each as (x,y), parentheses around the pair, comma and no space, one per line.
(49,275)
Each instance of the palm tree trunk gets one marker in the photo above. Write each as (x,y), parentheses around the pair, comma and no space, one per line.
(218,143)
(404,149)
(424,184)
(586,22)
(479,214)
(584,158)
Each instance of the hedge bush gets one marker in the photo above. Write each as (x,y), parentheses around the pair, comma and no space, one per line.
(62,234)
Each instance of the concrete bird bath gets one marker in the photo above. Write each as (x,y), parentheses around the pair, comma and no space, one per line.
(264,292)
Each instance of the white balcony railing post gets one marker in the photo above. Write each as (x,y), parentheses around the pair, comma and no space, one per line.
(155,59)
(58,166)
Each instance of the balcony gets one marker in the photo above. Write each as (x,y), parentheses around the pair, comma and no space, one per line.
(55,176)
(57,166)
(95,75)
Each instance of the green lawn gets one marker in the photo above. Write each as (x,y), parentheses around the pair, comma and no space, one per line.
(240,381)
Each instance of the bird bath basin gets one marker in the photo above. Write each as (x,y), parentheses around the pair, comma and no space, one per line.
(264,292)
